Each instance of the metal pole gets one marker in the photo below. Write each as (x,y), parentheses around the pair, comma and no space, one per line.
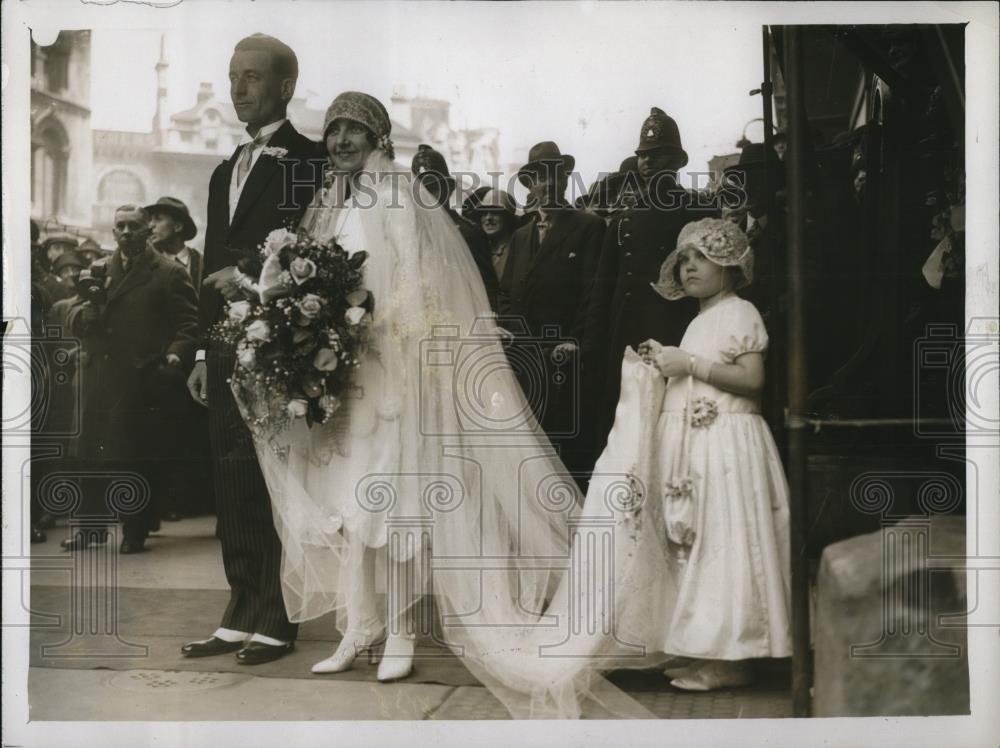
(774,386)
(797,383)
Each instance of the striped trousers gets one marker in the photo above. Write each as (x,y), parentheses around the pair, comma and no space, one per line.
(251,550)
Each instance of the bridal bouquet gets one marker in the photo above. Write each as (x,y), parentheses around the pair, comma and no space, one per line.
(299,331)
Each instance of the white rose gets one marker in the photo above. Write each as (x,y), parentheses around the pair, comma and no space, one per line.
(278,240)
(247,357)
(297,408)
(239,310)
(354,315)
(258,331)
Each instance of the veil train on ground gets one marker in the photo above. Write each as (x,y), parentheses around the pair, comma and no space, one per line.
(448,471)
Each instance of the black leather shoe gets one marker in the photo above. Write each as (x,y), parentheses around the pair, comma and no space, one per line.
(37,536)
(210,647)
(132,546)
(81,541)
(257,653)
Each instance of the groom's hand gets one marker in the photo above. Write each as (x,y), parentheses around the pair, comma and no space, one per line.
(224,281)
(198,383)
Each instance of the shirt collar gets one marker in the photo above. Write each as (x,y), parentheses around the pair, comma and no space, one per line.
(184,256)
(264,134)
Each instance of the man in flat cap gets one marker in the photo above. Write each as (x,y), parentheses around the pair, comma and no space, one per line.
(544,295)
(431,170)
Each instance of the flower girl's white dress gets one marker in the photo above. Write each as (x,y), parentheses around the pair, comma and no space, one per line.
(733,596)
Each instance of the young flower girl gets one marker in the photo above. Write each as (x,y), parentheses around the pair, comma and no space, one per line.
(725,497)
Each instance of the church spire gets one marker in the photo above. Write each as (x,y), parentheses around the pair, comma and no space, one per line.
(160,119)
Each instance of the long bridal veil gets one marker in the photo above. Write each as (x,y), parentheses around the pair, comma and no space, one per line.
(439,465)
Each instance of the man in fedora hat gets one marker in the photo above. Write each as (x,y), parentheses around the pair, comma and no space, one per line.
(625,310)
(170,226)
(545,291)
(431,170)
(90,251)
(184,470)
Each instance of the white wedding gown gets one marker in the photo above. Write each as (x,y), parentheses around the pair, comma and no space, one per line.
(438,461)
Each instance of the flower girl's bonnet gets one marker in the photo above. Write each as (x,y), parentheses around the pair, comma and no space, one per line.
(720,241)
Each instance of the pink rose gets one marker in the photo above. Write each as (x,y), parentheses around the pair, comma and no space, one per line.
(302,269)
(310,306)
(326,360)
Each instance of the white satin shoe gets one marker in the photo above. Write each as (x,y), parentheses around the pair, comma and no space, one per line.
(715,674)
(397,659)
(353,644)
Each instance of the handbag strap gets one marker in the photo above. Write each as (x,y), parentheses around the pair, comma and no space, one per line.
(686,436)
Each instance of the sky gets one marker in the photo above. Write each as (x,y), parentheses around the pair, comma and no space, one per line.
(582,74)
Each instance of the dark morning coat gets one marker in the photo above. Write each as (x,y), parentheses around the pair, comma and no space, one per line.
(151,310)
(276,193)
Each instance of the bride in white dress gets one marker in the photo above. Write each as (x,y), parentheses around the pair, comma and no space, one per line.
(436,478)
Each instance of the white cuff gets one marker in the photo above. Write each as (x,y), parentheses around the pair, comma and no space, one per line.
(199,355)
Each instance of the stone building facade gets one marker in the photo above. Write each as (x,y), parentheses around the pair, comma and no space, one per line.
(61,136)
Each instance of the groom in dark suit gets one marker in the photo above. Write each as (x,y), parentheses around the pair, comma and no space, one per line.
(265,185)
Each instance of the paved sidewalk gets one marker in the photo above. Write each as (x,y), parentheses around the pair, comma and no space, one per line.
(184,564)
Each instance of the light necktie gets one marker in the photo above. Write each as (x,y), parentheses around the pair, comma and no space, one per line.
(543,226)
(246,159)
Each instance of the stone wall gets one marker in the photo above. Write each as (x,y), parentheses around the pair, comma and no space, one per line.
(889,639)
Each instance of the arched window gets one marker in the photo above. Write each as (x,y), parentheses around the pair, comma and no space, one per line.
(49,154)
(121,187)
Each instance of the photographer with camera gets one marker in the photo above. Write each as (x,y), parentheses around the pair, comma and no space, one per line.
(136,316)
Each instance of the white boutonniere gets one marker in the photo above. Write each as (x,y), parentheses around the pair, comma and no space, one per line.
(273,151)
(572,255)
